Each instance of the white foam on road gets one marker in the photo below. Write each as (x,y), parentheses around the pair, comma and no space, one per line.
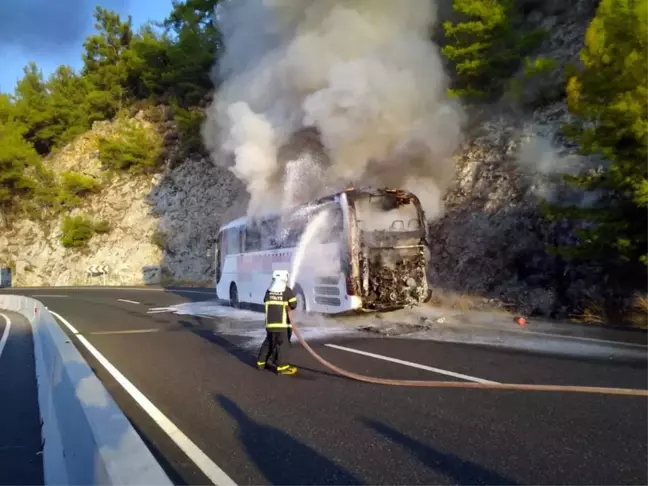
(249,324)
(309,333)
(208,308)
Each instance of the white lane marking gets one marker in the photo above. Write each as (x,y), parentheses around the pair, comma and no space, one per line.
(48,295)
(131,331)
(5,334)
(412,365)
(128,301)
(202,461)
(579,338)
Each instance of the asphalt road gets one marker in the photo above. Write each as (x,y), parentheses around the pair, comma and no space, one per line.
(317,428)
(20,438)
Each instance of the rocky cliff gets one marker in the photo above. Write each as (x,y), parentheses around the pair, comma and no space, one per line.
(161,225)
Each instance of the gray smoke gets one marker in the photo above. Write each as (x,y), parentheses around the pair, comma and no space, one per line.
(545,164)
(317,94)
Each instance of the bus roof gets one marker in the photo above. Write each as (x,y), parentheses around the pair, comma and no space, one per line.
(351,191)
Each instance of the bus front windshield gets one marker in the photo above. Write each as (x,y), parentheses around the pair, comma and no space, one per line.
(387,214)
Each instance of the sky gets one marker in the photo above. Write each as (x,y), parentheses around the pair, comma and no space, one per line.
(51,32)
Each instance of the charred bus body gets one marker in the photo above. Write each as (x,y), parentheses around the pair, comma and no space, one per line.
(388,239)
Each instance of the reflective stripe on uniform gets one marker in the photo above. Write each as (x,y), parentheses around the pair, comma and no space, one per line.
(284,321)
(294,299)
(284,367)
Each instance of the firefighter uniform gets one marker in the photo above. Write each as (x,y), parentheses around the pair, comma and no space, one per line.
(278,328)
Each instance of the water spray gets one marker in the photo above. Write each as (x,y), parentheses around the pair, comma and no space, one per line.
(312,229)
(307,238)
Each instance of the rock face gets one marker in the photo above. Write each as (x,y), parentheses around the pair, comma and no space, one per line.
(190,203)
(490,242)
(162,226)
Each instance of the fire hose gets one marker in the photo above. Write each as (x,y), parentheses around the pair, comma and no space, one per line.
(461,384)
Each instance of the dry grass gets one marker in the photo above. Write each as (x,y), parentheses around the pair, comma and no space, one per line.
(592,314)
(463,302)
(639,314)
(635,316)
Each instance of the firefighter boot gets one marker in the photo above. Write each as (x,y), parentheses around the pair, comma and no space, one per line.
(286,370)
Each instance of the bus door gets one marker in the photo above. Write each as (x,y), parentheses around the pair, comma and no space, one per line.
(220,250)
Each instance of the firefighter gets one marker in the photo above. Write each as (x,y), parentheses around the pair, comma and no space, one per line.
(280,301)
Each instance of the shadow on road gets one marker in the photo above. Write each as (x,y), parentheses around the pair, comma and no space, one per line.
(281,458)
(460,471)
(199,327)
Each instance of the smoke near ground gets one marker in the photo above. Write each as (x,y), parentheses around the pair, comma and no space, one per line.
(545,165)
(319,94)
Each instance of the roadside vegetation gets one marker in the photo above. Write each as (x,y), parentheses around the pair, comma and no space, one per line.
(77,231)
(166,64)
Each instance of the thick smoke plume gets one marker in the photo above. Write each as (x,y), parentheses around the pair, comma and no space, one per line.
(315,95)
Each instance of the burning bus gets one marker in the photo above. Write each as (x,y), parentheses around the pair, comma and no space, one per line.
(369,252)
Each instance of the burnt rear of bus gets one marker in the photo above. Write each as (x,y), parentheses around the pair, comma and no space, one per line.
(389,249)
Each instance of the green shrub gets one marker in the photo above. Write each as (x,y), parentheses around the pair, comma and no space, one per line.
(539,68)
(487,47)
(133,149)
(102,227)
(189,123)
(159,239)
(79,184)
(76,231)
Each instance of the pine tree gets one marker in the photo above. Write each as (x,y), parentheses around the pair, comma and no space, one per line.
(609,97)
(32,108)
(194,51)
(105,65)
(16,157)
(67,116)
(487,47)
(147,62)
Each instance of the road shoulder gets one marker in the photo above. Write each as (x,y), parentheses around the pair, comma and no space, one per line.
(20,431)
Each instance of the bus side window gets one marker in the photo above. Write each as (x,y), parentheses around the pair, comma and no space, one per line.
(222,243)
(252,238)
(292,230)
(233,242)
(269,234)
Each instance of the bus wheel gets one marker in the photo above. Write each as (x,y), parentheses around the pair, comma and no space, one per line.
(233,295)
(301,300)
